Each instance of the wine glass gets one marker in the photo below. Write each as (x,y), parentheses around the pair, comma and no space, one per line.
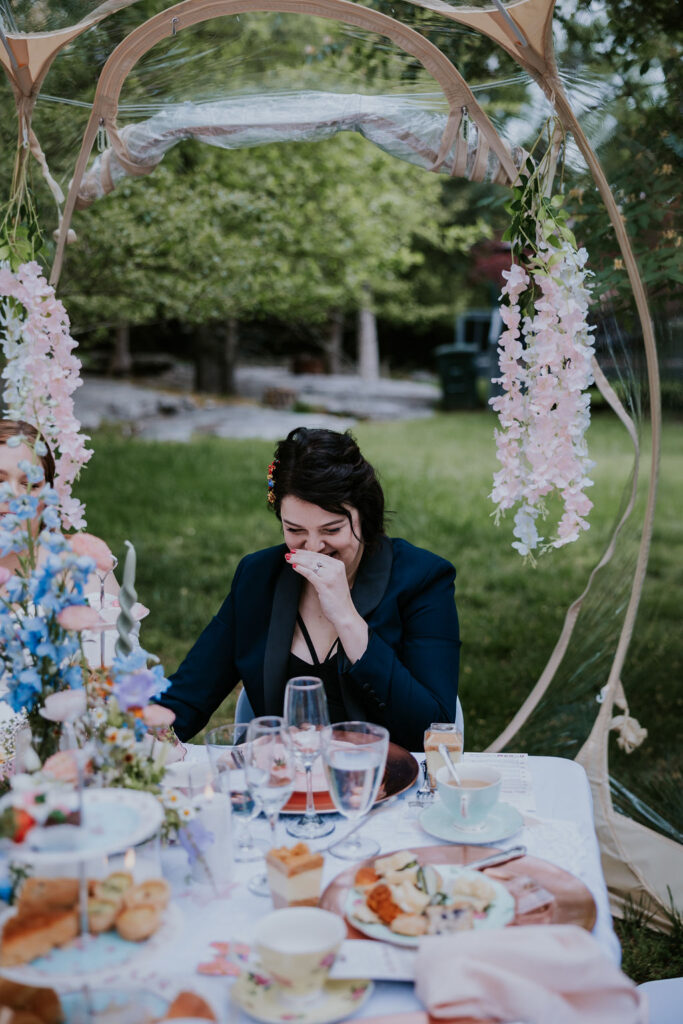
(306,722)
(269,771)
(354,758)
(226,756)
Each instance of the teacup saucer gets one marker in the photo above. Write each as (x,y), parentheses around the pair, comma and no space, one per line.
(262,999)
(503,821)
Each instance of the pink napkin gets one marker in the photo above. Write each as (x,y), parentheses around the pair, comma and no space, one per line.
(536,974)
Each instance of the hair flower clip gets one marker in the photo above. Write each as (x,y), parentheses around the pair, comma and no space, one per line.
(271,481)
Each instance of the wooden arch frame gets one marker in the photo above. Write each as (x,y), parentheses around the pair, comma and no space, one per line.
(192,12)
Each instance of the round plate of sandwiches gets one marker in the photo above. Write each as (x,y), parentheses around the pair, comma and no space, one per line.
(41,935)
(399,775)
(399,897)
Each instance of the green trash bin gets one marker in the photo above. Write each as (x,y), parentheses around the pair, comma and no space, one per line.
(458,373)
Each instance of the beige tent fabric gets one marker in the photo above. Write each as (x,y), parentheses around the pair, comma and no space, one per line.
(641,866)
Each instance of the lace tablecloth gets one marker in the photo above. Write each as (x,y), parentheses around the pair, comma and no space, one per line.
(216,925)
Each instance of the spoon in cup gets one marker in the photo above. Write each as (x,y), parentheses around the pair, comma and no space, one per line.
(448,761)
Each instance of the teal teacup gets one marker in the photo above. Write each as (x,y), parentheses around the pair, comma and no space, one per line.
(470,804)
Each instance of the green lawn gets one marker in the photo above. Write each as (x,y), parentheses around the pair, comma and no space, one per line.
(193,510)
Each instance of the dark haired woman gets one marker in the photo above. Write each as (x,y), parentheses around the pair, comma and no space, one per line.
(374,618)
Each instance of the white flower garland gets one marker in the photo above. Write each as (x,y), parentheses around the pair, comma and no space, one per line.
(545,363)
(42,374)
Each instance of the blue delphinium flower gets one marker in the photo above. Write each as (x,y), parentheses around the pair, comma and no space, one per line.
(21,697)
(24,506)
(51,518)
(34,472)
(10,540)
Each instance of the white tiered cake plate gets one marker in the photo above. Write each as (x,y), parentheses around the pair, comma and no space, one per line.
(114,820)
(91,960)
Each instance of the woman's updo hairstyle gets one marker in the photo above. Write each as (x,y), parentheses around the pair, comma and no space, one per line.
(20,428)
(327,469)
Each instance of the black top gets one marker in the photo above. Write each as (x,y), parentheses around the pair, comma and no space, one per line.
(327,670)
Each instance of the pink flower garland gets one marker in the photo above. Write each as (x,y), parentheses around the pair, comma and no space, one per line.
(41,374)
(543,411)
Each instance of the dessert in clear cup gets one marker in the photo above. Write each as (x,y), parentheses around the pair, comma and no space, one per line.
(451,737)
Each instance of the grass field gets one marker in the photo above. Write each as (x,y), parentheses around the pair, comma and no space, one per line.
(193,510)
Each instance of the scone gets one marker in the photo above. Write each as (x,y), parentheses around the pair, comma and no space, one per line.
(156,891)
(113,887)
(135,924)
(189,1004)
(101,914)
(25,937)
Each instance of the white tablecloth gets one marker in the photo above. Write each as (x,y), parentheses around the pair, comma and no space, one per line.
(560,830)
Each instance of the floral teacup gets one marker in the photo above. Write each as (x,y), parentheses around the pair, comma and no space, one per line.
(297,947)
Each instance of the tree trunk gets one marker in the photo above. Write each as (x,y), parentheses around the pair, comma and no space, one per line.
(121,361)
(368,349)
(232,340)
(334,341)
(215,346)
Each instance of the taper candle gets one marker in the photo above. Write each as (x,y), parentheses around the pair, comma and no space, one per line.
(127,598)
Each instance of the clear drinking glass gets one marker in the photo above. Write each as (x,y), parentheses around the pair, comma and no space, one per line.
(307,721)
(354,758)
(225,746)
(270,771)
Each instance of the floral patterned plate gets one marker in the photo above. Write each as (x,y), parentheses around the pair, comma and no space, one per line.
(262,999)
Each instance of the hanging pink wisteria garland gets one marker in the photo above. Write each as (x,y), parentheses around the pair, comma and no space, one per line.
(41,374)
(544,410)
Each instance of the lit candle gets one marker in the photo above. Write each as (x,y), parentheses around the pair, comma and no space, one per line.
(127,598)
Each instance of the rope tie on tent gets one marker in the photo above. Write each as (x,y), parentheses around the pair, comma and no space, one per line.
(25,106)
(630,733)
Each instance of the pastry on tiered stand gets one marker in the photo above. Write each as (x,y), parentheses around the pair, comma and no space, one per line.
(37,944)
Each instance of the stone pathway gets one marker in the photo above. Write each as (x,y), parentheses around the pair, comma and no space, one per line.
(335,402)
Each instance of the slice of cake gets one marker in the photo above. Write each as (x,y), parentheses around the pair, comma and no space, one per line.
(294,876)
(45,894)
(25,937)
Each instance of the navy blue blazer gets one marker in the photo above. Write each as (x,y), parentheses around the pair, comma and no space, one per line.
(406,678)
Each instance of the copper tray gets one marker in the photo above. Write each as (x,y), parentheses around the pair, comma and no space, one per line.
(573,903)
(400,774)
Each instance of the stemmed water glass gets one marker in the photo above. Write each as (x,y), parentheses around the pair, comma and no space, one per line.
(269,771)
(226,756)
(354,758)
(307,721)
